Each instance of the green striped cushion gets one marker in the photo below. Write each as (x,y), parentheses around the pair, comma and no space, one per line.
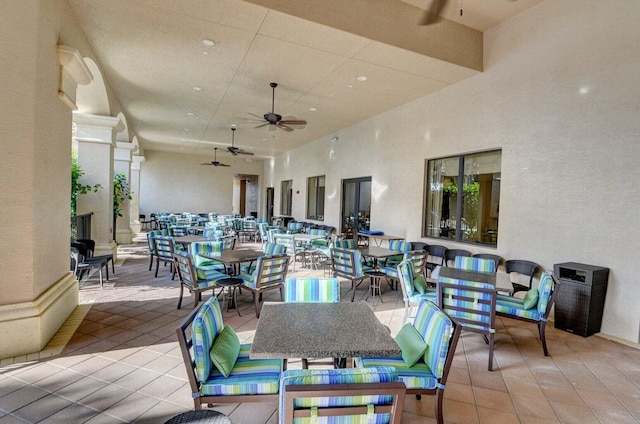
(206,325)
(248,377)
(544,292)
(482,321)
(312,289)
(339,376)
(515,306)
(475,264)
(436,329)
(210,248)
(419,376)
(407,273)
(208,275)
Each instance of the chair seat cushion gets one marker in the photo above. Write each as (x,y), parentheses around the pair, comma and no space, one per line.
(248,377)
(418,376)
(510,305)
(208,277)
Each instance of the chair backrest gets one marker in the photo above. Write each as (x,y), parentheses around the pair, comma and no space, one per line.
(419,245)
(346,263)
(274,249)
(451,254)
(317,232)
(418,258)
(475,264)
(348,395)
(272,233)
(525,268)
(495,258)
(399,245)
(212,233)
(270,270)
(206,325)
(294,227)
(436,254)
(249,225)
(345,244)
(312,289)
(406,274)
(441,333)
(178,230)
(163,246)
(209,248)
(472,303)
(228,242)
(185,269)
(263,228)
(151,234)
(547,290)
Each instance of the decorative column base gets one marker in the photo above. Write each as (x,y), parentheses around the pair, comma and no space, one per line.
(105,249)
(27,327)
(124,236)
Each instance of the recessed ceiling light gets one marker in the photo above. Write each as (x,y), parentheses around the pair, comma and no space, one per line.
(361,78)
(350,86)
(205,52)
(312,109)
(209,43)
(196,88)
(190,113)
(186,129)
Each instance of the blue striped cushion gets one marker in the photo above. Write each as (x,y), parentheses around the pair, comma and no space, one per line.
(475,264)
(312,289)
(436,329)
(482,321)
(248,377)
(339,376)
(544,292)
(206,325)
(419,376)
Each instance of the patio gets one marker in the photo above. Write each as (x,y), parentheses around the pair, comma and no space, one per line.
(117,360)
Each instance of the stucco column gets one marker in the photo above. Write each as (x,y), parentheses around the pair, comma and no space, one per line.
(134,204)
(122,165)
(96,144)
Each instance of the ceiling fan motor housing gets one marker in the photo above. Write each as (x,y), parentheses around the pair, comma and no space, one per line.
(272,118)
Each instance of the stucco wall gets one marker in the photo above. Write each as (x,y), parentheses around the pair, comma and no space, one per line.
(178,183)
(559,95)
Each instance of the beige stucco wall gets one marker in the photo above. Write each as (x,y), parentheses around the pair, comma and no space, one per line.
(192,187)
(569,164)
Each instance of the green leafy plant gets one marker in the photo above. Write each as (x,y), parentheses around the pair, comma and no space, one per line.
(77,188)
(121,193)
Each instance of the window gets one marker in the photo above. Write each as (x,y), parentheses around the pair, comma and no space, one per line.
(286,196)
(473,216)
(315,198)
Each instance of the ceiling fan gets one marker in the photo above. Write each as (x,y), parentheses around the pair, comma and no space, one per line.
(432,14)
(235,151)
(276,121)
(215,160)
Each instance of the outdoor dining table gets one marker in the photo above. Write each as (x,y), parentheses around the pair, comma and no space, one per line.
(187,240)
(235,257)
(320,330)
(379,238)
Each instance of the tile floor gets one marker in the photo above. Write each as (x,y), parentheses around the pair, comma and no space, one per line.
(117,360)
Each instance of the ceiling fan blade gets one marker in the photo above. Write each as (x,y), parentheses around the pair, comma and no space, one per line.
(293,122)
(260,117)
(237,151)
(223,164)
(262,125)
(284,127)
(432,14)
(232,151)
(206,163)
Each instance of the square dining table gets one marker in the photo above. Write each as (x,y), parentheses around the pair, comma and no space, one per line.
(234,257)
(320,330)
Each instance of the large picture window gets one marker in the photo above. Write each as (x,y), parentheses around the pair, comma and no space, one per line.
(315,198)
(463,197)
(286,188)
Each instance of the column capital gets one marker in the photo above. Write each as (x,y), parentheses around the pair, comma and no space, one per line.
(123,151)
(136,162)
(96,128)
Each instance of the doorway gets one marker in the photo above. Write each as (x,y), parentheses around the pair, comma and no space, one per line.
(269,203)
(356,206)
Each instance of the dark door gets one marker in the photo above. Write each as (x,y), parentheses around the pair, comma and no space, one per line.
(270,195)
(356,205)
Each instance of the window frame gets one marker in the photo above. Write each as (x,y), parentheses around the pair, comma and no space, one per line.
(459,223)
(315,192)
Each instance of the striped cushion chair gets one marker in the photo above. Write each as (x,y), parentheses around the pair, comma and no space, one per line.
(212,233)
(152,250)
(400,246)
(513,307)
(407,275)
(294,227)
(417,257)
(206,267)
(429,374)
(310,290)
(268,249)
(270,274)
(249,380)
(347,263)
(349,395)
(345,244)
(189,279)
(472,304)
(475,264)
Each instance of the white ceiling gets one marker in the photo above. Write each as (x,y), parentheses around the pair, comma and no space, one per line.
(152,55)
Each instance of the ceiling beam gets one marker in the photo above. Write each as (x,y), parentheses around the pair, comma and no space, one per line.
(391,22)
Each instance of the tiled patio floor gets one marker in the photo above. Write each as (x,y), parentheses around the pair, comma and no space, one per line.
(122,364)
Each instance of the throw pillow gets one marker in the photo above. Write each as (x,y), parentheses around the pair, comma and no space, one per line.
(531,299)
(411,344)
(225,350)
(420,284)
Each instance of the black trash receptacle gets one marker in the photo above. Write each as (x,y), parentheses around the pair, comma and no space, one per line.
(580,301)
